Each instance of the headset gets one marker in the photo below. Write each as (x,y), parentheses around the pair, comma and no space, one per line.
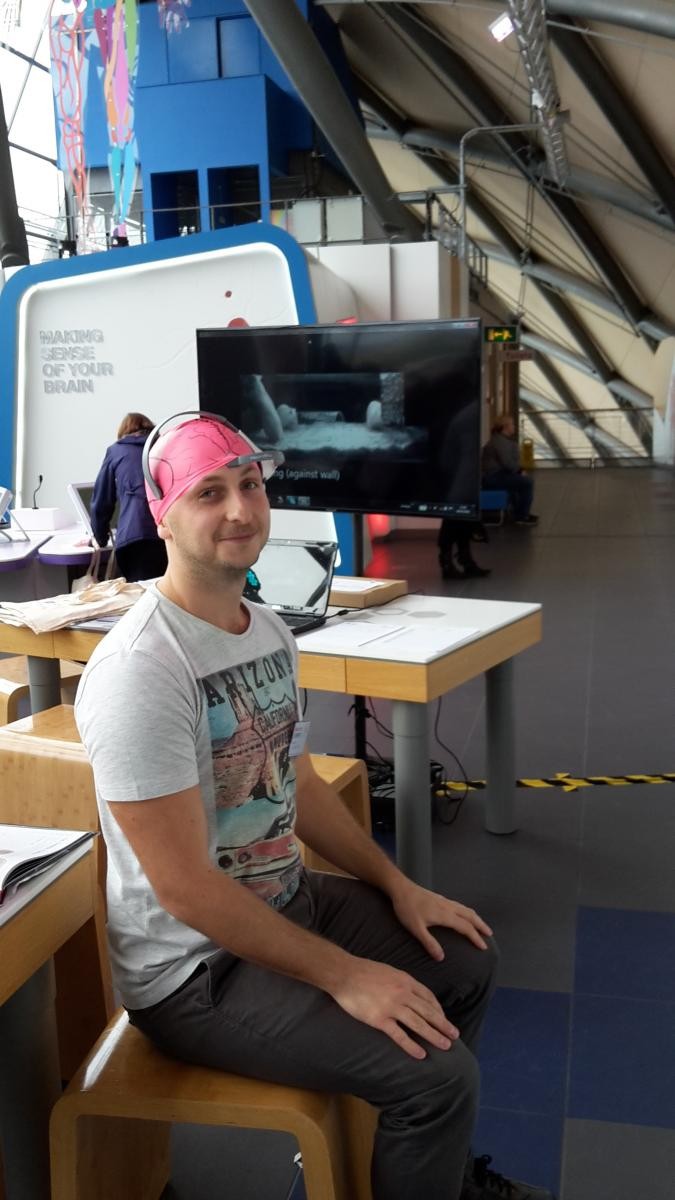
(269,460)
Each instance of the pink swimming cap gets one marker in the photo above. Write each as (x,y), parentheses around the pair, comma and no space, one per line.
(189,451)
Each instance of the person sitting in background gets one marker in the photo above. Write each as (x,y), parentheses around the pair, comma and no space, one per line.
(140,552)
(500,464)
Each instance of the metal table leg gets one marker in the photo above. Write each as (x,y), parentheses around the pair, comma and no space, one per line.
(500,796)
(29,1084)
(44,678)
(410,722)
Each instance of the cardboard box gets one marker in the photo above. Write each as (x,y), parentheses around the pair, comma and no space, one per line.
(380,591)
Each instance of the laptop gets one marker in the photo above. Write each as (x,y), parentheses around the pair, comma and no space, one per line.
(80,495)
(294,578)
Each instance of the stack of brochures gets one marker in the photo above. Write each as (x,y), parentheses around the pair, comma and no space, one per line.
(31,858)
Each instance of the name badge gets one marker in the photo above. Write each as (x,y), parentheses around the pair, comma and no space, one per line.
(299,738)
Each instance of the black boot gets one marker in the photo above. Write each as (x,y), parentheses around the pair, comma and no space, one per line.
(473,570)
(448,568)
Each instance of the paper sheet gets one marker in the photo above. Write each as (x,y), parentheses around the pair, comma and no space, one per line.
(348,583)
(374,639)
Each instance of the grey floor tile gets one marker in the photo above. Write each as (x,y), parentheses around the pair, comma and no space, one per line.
(524,885)
(617,1162)
(628,847)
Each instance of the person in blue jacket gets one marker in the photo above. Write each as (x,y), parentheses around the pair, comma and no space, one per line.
(141,554)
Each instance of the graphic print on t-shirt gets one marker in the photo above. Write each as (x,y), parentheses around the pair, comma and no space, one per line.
(252,711)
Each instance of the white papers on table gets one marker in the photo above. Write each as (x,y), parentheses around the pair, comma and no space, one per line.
(374,639)
(349,583)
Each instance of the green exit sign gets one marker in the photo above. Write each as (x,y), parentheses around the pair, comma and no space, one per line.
(501,333)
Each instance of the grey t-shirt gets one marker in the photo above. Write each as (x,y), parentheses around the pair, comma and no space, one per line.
(169,701)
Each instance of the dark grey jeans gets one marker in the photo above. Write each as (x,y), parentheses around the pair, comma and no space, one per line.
(239,1017)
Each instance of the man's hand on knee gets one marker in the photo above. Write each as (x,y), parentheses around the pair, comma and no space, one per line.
(396,1003)
(419,910)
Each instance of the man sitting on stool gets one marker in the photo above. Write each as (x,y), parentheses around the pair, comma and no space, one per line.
(500,463)
(227,952)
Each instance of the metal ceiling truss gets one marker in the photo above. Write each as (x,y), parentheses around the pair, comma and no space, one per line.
(515,255)
(293,42)
(529,24)
(580,182)
(650,16)
(656,16)
(510,247)
(462,80)
(558,280)
(636,137)
(297,49)
(598,367)
(634,404)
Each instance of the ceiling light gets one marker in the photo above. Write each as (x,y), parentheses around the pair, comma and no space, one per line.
(501,28)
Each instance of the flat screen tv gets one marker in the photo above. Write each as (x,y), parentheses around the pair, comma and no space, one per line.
(371,418)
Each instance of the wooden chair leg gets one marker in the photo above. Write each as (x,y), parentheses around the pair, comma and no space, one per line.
(325,1159)
(359,1122)
(10,695)
(110,1158)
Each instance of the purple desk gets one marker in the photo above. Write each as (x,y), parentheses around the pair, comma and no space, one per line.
(64,549)
(15,554)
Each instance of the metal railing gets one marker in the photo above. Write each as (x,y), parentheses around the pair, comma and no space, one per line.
(311,220)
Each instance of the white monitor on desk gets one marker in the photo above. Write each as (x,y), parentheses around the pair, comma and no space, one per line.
(80,495)
(5,500)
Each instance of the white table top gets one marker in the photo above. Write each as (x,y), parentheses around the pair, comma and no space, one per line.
(415,629)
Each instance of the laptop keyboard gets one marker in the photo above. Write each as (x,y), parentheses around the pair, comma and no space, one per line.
(297,623)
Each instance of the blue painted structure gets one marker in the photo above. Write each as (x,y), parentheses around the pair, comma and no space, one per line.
(209,100)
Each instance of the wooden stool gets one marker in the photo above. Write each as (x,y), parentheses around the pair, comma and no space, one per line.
(14,684)
(110,1130)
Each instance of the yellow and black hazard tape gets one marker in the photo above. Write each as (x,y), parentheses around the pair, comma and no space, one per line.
(568,783)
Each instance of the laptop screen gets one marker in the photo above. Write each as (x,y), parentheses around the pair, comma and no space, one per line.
(295,576)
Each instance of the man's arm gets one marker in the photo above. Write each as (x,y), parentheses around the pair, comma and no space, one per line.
(168,835)
(325,824)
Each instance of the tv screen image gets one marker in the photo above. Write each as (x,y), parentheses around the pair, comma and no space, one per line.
(370,418)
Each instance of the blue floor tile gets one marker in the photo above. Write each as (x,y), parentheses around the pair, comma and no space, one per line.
(523,1145)
(622,952)
(523,1051)
(622,1062)
(626,953)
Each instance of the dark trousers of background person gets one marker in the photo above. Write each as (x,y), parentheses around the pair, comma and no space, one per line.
(144,559)
(456,534)
(236,1016)
(519,487)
